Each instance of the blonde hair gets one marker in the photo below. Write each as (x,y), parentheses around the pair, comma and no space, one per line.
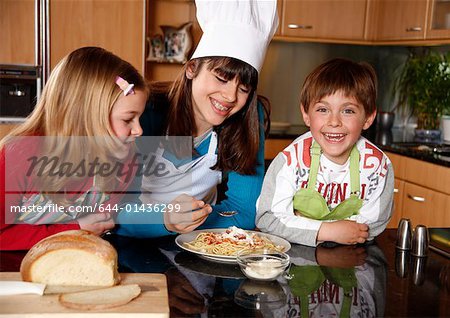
(81,86)
(77,101)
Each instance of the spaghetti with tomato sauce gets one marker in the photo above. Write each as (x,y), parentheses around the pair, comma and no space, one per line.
(230,242)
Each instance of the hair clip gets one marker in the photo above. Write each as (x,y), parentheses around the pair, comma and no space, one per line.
(125,86)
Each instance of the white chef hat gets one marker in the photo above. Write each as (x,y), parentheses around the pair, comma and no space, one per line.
(236,28)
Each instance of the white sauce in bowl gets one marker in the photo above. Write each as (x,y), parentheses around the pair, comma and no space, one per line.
(264,269)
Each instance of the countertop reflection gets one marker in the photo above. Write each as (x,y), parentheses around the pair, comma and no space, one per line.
(374,280)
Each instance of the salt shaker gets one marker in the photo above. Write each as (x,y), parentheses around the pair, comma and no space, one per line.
(404,234)
(418,270)
(420,241)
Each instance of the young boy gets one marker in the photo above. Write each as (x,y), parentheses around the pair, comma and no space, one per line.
(330,184)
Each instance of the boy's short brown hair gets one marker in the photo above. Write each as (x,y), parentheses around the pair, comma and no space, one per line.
(358,80)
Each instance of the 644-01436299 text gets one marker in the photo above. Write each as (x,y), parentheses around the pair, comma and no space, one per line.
(111,208)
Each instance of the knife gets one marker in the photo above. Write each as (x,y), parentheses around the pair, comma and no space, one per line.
(19,287)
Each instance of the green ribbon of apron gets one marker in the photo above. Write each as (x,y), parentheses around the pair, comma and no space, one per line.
(308,279)
(311,204)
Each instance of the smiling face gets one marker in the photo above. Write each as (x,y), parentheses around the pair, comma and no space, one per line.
(124,117)
(336,122)
(214,98)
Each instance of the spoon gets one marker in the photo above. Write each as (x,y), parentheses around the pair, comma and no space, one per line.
(227,213)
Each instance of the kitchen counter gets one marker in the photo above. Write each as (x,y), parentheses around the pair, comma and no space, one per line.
(381,281)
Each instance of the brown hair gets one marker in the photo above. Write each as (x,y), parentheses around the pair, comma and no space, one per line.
(239,135)
(358,80)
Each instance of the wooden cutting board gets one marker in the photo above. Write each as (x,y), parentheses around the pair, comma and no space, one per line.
(152,302)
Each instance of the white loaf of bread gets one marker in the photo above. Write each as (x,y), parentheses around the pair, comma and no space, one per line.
(77,258)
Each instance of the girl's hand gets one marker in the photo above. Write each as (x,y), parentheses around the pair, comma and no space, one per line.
(343,232)
(98,223)
(191,215)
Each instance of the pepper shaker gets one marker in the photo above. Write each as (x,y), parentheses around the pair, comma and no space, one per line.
(404,234)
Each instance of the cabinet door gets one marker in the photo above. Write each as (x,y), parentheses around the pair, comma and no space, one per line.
(398,19)
(425,206)
(114,25)
(439,20)
(427,174)
(398,164)
(17,32)
(398,204)
(329,19)
(5,129)
(274,146)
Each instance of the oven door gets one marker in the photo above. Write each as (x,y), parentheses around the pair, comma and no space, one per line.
(18,91)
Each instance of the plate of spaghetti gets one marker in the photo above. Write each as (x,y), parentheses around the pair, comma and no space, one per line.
(222,245)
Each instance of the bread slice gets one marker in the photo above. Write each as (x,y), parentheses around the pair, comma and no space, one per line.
(75,257)
(101,298)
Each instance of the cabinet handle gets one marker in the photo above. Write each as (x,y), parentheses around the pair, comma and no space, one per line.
(17,93)
(418,199)
(299,26)
(414,29)
(395,190)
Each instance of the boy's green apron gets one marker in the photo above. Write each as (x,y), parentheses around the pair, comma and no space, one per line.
(311,204)
(308,279)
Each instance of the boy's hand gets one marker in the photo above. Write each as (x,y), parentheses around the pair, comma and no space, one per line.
(343,232)
(341,256)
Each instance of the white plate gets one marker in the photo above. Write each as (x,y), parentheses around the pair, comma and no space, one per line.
(189,237)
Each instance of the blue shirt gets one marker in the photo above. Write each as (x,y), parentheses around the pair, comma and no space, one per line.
(241,194)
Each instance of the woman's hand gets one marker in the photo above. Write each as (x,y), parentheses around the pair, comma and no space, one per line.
(343,232)
(98,223)
(191,215)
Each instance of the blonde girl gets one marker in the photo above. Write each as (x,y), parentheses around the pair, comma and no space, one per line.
(89,111)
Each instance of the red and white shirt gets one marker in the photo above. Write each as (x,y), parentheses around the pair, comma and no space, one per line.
(289,172)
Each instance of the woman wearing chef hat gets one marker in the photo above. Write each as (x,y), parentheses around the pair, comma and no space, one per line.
(214,104)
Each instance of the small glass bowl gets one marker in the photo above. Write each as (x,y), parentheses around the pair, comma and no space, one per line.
(263,265)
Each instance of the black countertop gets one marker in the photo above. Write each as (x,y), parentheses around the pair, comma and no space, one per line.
(379,280)
(397,140)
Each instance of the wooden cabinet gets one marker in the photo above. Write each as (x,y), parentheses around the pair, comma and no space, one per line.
(401,22)
(17,32)
(398,204)
(5,129)
(328,19)
(415,21)
(422,192)
(397,20)
(425,206)
(117,26)
(438,20)
(172,13)
(273,146)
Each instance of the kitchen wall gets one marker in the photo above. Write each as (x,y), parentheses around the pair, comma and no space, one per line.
(287,65)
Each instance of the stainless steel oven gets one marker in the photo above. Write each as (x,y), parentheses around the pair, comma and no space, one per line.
(19,91)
